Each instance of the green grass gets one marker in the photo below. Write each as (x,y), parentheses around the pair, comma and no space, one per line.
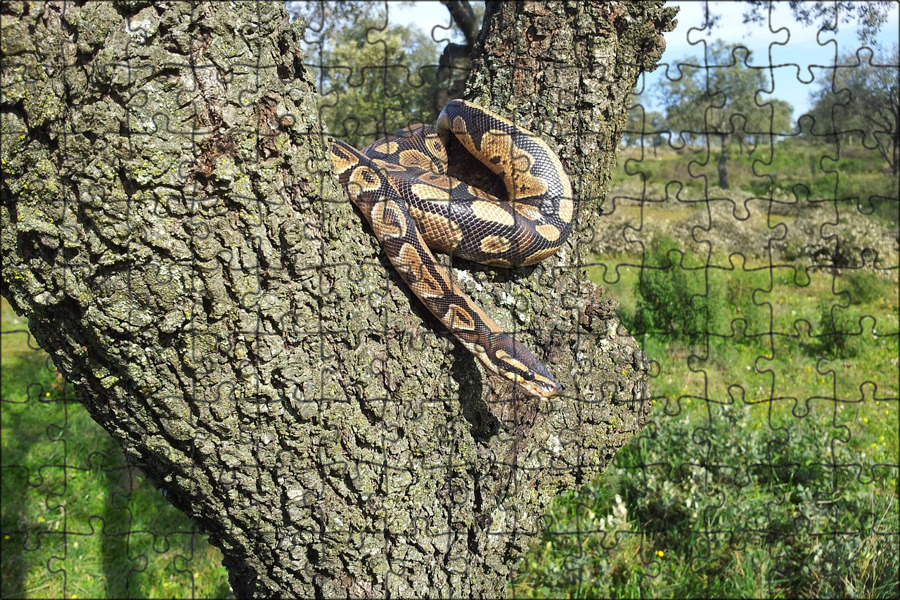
(77,521)
(769,469)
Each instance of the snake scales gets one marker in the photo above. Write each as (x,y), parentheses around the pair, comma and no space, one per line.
(401,185)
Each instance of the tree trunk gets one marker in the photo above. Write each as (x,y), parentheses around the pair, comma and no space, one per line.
(454,67)
(722,165)
(455,62)
(172,231)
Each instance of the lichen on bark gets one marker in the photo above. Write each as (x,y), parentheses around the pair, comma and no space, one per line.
(172,231)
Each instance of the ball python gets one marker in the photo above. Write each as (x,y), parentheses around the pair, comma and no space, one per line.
(401,185)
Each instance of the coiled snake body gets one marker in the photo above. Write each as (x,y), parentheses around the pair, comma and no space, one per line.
(401,185)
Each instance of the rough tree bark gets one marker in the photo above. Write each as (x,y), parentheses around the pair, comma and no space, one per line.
(173,233)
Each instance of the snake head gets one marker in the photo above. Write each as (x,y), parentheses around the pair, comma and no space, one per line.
(515,362)
(537,384)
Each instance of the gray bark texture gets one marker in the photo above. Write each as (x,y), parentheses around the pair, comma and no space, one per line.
(171,229)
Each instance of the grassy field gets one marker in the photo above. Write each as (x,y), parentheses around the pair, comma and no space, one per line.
(770,467)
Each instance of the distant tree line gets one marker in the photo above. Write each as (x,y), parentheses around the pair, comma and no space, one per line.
(719,102)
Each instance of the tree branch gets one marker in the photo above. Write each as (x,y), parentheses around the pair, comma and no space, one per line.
(462,14)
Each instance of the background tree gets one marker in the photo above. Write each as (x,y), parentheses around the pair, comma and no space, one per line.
(456,59)
(718,99)
(860,99)
(645,128)
(373,77)
(171,230)
(869,17)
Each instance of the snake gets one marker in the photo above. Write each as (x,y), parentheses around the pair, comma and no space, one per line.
(401,185)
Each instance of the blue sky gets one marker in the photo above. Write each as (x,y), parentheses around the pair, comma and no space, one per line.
(795,49)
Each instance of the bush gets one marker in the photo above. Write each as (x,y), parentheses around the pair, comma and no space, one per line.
(741,287)
(673,296)
(840,335)
(848,241)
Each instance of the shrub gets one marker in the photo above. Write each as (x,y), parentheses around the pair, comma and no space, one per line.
(687,494)
(848,241)
(673,298)
(840,335)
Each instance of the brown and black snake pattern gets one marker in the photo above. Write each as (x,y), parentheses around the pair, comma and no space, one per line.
(400,184)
